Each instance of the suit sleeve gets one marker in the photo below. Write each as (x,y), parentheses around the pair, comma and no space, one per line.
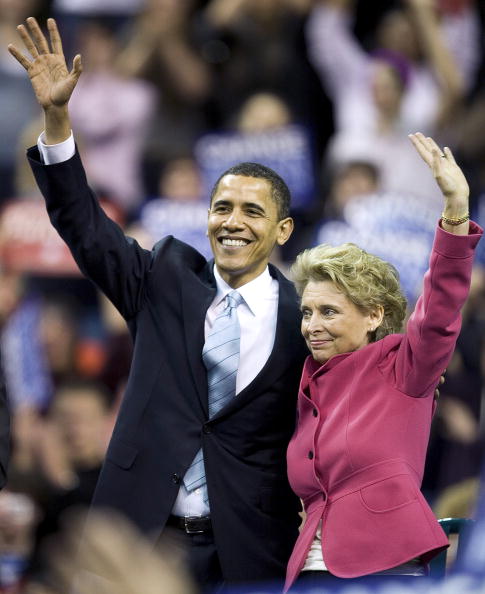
(113,261)
(433,327)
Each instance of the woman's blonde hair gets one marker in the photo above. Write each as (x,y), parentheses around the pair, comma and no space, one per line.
(368,281)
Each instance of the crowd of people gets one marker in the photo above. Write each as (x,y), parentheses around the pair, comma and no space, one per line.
(173,93)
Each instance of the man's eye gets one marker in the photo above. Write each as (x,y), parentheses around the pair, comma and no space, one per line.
(328,311)
(220,209)
(306,314)
(253,212)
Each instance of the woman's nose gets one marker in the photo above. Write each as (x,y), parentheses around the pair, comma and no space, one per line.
(314,324)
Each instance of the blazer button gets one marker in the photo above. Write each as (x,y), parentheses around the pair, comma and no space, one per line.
(206,429)
(310,455)
(175,478)
(315,412)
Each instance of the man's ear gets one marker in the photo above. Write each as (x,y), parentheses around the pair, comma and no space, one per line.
(285,229)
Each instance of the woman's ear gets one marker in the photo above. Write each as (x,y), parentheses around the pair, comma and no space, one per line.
(375,318)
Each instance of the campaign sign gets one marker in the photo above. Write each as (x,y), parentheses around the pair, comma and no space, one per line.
(286,150)
(397,228)
(186,221)
(30,244)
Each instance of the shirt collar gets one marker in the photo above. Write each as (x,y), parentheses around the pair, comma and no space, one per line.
(252,292)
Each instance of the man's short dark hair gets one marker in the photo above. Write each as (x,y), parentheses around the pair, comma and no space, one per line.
(280,191)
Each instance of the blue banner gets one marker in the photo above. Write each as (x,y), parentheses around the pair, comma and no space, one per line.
(286,150)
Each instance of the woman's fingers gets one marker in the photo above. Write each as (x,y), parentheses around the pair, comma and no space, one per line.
(420,144)
(449,155)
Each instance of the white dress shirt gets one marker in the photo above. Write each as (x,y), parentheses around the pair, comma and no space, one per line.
(257,319)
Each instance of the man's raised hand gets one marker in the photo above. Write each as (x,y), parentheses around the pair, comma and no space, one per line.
(46,66)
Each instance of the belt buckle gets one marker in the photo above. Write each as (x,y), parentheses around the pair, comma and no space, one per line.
(188,530)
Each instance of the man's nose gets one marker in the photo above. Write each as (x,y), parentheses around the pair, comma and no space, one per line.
(234,220)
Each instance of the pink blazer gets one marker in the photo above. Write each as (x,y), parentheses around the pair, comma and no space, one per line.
(357,456)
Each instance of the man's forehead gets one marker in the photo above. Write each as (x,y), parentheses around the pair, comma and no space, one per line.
(243,182)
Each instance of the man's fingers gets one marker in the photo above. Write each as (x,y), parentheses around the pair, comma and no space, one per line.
(29,44)
(19,56)
(39,38)
(77,67)
(55,38)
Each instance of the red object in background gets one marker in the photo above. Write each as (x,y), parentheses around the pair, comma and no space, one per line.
(90,357)
(452,6)
(30,245)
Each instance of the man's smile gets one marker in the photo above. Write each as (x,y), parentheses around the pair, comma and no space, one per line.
(233,242)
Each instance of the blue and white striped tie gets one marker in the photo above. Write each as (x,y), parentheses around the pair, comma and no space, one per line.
(221,359)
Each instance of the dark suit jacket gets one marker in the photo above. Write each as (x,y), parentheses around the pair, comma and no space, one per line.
(164,295)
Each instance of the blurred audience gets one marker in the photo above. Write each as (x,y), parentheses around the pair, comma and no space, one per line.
(414,79)
(16,105)
(256,46)
(111,558)
(111,115)
(179,209)
(161,48)
(80,424)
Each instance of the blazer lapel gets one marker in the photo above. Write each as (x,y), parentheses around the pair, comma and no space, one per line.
(197,294)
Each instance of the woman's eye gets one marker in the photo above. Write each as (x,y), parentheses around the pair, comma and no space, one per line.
(306,314)
(329,311)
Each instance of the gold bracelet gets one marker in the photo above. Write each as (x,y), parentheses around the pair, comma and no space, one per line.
(454,222)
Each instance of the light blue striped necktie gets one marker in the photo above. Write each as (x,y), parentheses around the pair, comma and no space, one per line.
(221,359)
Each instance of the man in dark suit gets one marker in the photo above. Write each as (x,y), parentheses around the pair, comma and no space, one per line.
(245,528)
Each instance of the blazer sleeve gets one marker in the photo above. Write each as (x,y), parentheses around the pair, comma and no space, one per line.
(113,261)
(433,327)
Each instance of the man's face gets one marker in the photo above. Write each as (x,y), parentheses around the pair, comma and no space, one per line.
(243,228)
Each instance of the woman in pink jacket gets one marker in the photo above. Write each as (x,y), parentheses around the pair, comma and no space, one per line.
(366,401)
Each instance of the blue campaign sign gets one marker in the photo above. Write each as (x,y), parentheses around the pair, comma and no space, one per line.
(186,221)
(397,228)
(286,150)
(479,217)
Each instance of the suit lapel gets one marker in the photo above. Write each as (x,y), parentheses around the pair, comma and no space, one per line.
(197,294)
(284,348)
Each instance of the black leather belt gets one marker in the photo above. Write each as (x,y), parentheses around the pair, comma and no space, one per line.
(191,525)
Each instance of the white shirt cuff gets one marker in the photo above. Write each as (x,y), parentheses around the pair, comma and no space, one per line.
(56,153)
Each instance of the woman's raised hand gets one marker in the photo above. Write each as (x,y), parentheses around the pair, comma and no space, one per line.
(450,179)
(447,173)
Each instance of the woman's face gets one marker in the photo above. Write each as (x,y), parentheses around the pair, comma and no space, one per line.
(331,324)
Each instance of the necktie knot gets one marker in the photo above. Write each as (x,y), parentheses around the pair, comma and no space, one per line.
(233,300)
